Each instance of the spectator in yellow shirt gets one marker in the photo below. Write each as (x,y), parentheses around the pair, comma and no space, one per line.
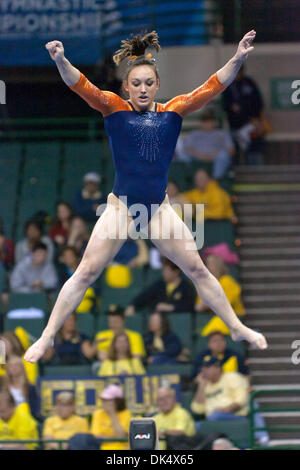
(116,325)
(14,347)
(217,204)
(65,423)
(220,396)
(120,360)
(232,289)
(112,420)
(172,419)
(15,423)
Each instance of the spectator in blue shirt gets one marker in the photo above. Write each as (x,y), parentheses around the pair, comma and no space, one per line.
(162,345)
(230,360)
(70,346)
(87,200)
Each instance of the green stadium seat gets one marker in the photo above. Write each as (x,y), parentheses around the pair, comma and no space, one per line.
(202,319)
(67,371)
(219,231)
(11,152)
(180,369)
(237,431)
(86,324)
(181,324)
(34,326)
(186,399)
(120,296)
(20,300)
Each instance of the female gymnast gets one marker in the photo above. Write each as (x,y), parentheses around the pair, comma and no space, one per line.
(142,135)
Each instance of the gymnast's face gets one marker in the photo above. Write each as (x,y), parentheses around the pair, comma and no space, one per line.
(142,86)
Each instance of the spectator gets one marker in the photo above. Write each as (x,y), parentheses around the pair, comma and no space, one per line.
(59,230)
(243,104)
(172,419)
(220,396)
(170,294)
(176,199)
(230,360)
(70,346)
(162,345)
(87,200)
(208,192)
(6,248)
(34,273)
(65,423)
(113,419)
(132,254)
(17,383)
(69,261)
(209,144)
(15,423)
(79,235)
(223,444)
(232,289)
(34,236)
(14,347)
(120,360)
(116,326)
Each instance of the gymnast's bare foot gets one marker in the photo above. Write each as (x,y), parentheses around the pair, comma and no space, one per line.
(253,337)
(38,349)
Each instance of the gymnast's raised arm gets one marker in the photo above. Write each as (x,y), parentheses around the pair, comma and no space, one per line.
(190,102)
(104,101)
(69,74)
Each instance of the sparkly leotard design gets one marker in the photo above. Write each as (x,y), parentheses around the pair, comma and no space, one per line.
(143,143)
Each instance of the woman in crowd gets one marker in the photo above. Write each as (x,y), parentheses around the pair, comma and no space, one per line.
(70,347)
(162,345)
(33,236)
(17,383)
(232,289)
(15,345)
(78,235)
(59,230)
(120,360)
(113,419)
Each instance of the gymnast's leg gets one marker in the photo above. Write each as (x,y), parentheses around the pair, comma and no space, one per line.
(109,234)
(189,261)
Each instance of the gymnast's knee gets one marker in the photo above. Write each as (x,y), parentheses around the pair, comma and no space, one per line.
(197,270)
(86,275)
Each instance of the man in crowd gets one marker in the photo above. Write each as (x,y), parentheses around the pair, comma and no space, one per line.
(219,395)
(34,273)
(15,423)
(65,423)
(230,360)
(87,200)
(217,204)
(173,293)
(172,419)
(116,326)
(209,144)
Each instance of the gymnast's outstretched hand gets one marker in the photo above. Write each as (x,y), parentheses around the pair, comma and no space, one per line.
(38,349)
(56,50)
(245,45)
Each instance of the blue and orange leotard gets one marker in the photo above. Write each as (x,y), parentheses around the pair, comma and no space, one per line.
(143,143)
